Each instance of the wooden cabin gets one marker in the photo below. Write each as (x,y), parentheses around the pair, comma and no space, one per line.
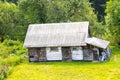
(63,42)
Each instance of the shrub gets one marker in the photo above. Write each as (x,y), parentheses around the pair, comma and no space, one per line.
(11,53)
(12,60)
(10,47)
(3,71)
(11,43)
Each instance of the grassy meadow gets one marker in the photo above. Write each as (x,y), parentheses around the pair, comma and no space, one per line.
(68,70)
(16,15)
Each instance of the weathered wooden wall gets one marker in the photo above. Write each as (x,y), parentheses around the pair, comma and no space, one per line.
(66,54)
(39,54)
(87,54)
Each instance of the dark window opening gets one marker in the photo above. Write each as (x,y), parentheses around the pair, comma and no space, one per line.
(54,49)
(76,48)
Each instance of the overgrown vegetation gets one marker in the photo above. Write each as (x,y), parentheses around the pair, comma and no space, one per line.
(3,71)
(113,21)
(11,53)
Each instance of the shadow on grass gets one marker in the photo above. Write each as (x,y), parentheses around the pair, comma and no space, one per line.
(63,63)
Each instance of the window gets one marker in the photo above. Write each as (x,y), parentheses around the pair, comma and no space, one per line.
(54,49)
(76,48)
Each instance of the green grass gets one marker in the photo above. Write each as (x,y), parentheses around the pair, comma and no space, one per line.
(68,70)
(65,71)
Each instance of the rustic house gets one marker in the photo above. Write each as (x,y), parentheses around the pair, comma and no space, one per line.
(64,41)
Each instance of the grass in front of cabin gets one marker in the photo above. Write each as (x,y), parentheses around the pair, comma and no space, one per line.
(68,70)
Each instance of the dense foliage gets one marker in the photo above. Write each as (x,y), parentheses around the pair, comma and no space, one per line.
(52,11)
(17,15)
(11,53)
(7,19)
(113,21)
(45,11)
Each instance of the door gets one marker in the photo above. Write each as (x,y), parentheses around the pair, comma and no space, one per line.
(88,54)
(66,53)
(95,54)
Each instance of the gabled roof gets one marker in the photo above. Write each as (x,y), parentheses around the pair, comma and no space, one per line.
(57,34)
(97,42)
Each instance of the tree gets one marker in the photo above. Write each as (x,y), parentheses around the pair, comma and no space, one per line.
(49,11)
(41,11)
(99,6)
(13,1)
(113,20)
(81,10)
(7,18)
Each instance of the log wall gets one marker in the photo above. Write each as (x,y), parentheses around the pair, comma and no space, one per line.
(39,54)
(66,54)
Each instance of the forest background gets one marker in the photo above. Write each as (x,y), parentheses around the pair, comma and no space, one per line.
(16,15)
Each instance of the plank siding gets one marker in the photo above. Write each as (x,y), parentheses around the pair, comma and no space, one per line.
(37,54)
(66,54)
